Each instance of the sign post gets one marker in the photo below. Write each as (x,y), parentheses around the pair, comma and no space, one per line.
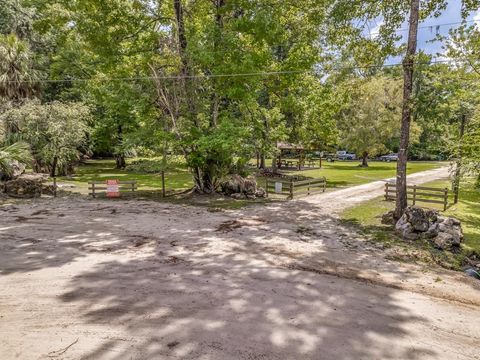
(113,189)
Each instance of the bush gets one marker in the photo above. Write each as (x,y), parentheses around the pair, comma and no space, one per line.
(146,166)
(155,165)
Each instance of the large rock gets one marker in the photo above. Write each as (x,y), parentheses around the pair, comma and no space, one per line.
(241,188)
(26,186)
(18,169)
(445,233)
(235,184)
(250,186)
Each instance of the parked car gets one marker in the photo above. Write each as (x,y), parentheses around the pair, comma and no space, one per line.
(389,157)
(329,157)
(344,155)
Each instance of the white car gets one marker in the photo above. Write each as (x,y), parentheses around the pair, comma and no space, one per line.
(344,155)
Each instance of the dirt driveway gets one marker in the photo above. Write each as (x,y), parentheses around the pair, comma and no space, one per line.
(93,279)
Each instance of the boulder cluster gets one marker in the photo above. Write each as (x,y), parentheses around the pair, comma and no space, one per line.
(26,186)
(445,233)
(238,187)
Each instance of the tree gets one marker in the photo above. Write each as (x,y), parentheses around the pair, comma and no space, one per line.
(408,69)
(462,46)
(369,119)
(470,148)
(17,75)
(55,132)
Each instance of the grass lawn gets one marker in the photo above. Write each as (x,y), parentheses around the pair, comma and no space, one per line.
(367,216)
(348,173)
(178,179)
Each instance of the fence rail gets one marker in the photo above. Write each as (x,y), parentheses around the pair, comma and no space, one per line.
(419,194)
(95,187)
(291,188)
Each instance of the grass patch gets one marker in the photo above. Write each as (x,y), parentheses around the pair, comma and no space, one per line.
(348,173)
(367,218)
(175,179)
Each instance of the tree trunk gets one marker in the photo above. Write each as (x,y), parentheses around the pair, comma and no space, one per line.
(187,79)
(120,162)
(365,159)
(53,170)
(408,67)
(120,156)
(458,162)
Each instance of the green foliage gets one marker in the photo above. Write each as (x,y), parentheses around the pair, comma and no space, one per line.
(371,115)
(55,131)
(155,165)
(154,79)
(19,151)
(17,76)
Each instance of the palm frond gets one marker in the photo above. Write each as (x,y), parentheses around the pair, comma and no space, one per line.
(17,152)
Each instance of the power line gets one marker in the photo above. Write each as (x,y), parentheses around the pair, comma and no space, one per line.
(233,75)
(433,26)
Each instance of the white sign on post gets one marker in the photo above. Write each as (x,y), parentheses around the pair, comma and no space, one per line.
(278,187)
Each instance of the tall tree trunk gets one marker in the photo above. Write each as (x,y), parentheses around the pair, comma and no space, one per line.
(408,67)
(53,170)
(187,80)
(458,162)
(262,160)
(365,159)
(120,156)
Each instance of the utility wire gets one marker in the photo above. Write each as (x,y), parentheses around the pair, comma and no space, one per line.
(234,75)
(434,26)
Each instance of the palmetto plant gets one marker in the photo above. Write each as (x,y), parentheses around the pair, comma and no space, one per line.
(17,152)
(17,76)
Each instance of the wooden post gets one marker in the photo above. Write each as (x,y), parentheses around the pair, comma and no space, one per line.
(163,183)
(93,190)
(445,199)
(54,187)
(414,194)
(308,189)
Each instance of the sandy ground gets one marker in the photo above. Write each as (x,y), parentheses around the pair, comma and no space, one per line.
(99,279)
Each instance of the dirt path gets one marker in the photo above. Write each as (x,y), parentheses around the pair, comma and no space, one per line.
(337,201)
(93,279)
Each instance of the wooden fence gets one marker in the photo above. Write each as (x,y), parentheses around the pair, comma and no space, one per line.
(419,194)
(291,188)
(96,187)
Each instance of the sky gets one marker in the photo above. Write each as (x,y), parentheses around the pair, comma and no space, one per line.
(428,28)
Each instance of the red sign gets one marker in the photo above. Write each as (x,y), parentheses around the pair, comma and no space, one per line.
(113,189)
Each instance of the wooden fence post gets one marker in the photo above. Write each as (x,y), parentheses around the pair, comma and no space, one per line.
(445,199)
(414,194)
(163,183)
(54,187)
